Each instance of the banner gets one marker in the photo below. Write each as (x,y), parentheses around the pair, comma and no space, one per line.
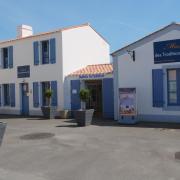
(127,100)
(167,51)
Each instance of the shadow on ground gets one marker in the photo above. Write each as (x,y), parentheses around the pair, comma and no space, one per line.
(99,122)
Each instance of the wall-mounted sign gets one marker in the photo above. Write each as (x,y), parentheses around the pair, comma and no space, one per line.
(91,76)
(167,51)
(74,91)
(23,71)
(127,100)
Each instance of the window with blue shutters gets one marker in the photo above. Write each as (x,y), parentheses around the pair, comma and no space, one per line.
(45,52)
(7,57)
(46,85)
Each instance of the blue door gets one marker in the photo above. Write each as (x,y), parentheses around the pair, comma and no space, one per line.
(75,100)
(108,98)
(25,99)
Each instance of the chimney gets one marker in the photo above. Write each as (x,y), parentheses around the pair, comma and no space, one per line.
(24,31)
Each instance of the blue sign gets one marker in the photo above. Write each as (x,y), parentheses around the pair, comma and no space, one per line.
(23,71)
(167,51)
(91,76)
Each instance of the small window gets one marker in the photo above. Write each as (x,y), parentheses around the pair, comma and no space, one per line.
(6,90)
(45,52)
(45,86)
(172,87)
(5,58)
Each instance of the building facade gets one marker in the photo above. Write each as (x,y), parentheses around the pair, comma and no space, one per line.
(151,65)
(99,80)
(32,63)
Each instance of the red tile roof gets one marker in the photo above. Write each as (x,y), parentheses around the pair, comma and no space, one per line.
(94,69)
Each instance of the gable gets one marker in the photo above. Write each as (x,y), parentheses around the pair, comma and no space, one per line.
(146,39)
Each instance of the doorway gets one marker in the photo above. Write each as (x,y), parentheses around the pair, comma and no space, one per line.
(24,99)
(95,101)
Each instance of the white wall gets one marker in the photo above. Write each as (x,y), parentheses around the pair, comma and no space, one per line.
(139,74)
(83,46)
(24,55)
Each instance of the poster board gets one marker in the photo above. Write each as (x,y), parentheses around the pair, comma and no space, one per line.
(127,102)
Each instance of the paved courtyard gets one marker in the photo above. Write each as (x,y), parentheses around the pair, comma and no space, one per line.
(103,151)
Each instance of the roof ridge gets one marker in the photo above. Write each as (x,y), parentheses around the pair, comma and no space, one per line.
(47,32)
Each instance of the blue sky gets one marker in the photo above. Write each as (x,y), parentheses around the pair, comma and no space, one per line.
(119,21)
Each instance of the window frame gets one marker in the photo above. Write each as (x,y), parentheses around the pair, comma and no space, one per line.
(43,88)
(7,99)
(42,55)
(3,58)
(168,88)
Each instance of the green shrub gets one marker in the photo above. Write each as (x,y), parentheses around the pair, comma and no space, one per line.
(48,93)
(84,94)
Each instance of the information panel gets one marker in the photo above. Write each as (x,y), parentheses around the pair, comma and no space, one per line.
(127,99)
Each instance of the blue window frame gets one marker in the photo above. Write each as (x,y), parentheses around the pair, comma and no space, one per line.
(5,57)
(173,82)
(45,52)
(6,90)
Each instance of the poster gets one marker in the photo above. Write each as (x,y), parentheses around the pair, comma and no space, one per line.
(127,101)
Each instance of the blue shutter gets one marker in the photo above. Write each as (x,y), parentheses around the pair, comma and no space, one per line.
(36,94)
(157,85)
(53,51)
(36,52)
(12,94)
(0,95)
(54,93)
(75,100)
(10,51)
(108,98)
(178,85)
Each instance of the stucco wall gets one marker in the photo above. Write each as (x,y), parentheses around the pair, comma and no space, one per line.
(23,55)
(83,46)
(139,74)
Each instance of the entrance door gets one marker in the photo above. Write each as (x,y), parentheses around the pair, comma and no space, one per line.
(95,101)
(25,99)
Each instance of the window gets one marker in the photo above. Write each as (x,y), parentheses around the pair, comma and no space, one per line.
(172,84)
(45,52)
(5,57)
(45,86)
(6,90)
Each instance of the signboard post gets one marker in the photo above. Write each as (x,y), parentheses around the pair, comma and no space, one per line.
(127,105)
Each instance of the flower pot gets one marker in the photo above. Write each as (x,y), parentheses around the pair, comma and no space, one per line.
(2,131)
(84,117)
(49,112)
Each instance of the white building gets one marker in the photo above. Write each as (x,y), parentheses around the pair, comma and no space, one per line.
(152,66)
(31,63)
